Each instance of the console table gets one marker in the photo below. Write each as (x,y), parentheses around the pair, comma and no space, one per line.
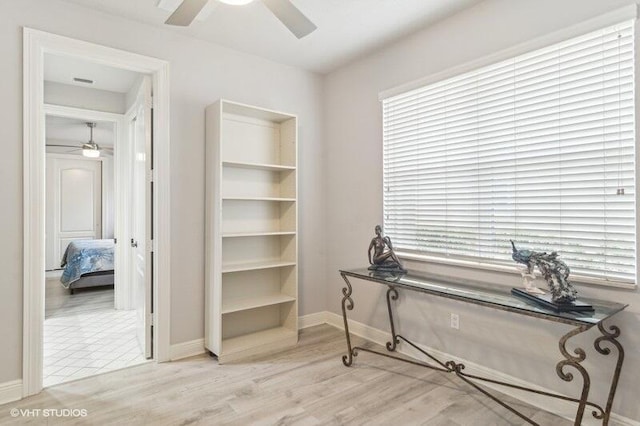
(497,298)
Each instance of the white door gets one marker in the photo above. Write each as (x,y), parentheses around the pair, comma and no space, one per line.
(141,243)
(73,204)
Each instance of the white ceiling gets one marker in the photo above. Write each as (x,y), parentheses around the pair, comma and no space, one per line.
(347,29)
(62,69)
(71,131)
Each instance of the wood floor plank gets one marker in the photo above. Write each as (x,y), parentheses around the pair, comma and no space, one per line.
(306,385)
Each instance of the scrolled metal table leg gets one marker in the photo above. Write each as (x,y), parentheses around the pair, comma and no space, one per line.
(574,361)
(610,337)
(347,303)
(392,294)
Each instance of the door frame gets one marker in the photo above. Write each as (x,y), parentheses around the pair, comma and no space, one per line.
(120,186)
(35,44)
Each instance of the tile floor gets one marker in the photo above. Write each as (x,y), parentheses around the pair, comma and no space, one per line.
(84,335)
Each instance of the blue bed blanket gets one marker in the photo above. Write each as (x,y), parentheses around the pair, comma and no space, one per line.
(85,256)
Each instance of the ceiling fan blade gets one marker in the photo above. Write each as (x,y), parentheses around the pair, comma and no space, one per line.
(70,151)
(186,12)
(63,146)
(291,17)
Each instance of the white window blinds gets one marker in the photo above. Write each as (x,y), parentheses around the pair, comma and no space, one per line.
(532,149)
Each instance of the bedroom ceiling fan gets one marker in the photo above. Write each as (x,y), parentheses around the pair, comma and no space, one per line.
(284,10)
(89,149)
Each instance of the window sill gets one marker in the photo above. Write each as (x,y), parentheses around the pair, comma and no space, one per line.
(509,269)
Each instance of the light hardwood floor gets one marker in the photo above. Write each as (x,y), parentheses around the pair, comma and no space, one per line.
(306,385)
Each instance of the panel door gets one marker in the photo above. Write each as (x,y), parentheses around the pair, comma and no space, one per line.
(74,202)
(141,243)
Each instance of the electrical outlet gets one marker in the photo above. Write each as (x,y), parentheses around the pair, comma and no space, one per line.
(455,321)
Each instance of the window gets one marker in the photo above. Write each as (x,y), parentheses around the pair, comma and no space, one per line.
(535,149)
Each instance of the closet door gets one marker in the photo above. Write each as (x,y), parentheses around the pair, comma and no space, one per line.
(74,189)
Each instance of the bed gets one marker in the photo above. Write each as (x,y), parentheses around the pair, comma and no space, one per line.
(87,263)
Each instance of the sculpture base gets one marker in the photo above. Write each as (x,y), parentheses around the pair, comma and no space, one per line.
(391,269)
(545,301)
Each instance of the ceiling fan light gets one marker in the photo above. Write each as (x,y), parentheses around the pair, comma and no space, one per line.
(90,152)
(236,2)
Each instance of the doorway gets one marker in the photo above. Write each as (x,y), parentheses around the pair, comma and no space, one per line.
(154,265)
(89,326)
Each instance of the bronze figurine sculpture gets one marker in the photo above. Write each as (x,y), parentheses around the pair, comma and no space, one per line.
(384,258)
(554,271)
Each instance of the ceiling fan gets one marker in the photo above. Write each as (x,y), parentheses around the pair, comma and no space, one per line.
(284,10)
(89,149)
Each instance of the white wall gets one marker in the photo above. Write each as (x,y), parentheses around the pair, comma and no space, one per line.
(200,73)
(132,95)
(108,198)
(522,347)
(84,97)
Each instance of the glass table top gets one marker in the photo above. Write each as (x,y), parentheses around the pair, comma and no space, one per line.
(496,296)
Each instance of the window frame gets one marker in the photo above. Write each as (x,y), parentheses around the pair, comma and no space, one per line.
(495,265)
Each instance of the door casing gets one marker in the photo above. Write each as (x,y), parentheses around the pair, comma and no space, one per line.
(35,44)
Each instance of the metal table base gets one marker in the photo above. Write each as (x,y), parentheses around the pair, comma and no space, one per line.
(569,361)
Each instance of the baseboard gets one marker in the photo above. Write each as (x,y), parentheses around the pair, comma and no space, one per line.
(10,391)
(186,349)
(619,420)
(558,407)
(310,320)
(196,347)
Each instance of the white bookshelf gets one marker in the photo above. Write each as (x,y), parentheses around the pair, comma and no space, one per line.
(251,294)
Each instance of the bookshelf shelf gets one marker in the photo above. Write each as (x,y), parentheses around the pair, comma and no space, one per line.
(253,266)
(230,306)
(257,166)
(256,234)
